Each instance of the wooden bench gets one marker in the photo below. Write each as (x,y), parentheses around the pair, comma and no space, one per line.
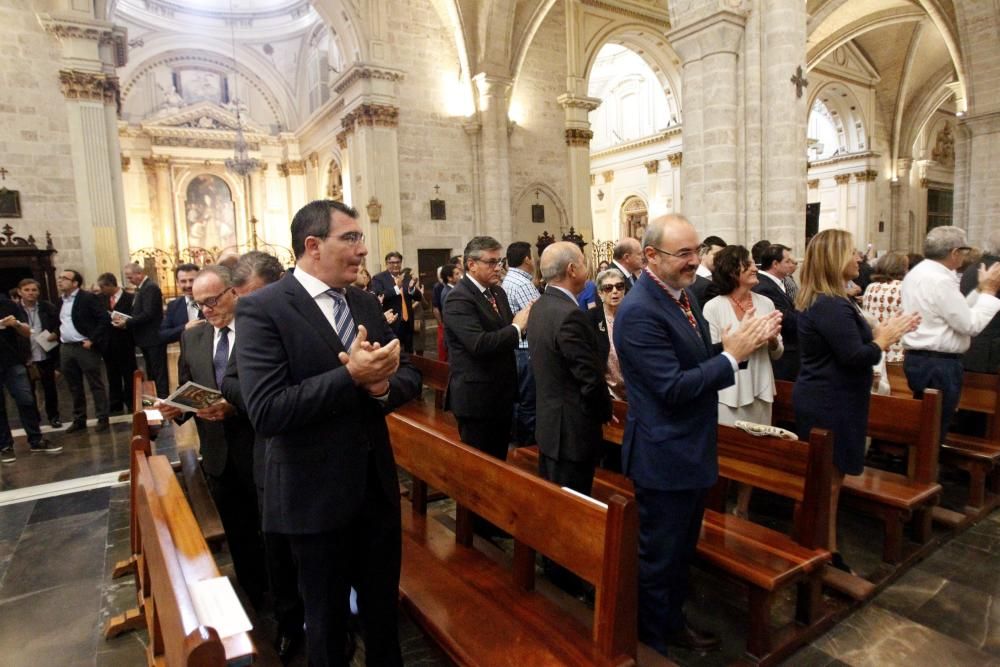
(893,498)
(977,456)
(765,560)
(435,376)
(480,613)
(173,559)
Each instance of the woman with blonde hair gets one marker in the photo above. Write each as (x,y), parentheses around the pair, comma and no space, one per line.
(838,349)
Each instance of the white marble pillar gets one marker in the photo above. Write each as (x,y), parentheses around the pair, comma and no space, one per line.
(843,202)
(578,135)
(294,173)
(473,129)
(899,188)
(676,203)
(165,237)
(709,48)
(492,99)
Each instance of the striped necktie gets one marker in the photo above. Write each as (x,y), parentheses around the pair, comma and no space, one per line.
(685,306)
(342,320)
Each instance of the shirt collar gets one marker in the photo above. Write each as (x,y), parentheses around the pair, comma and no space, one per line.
(519,271)
(625,272)
(672,291)
(776,279)
(313,285)
(231,325)
(942,269)
(476,283)
(564,291)
(703,271)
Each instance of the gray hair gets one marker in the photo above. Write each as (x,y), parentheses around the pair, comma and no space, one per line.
(133,267)
(942,240)
(608,273)
(257,263)
(224,273)
(624,247)
(477,246)
(991,245)
(556,260)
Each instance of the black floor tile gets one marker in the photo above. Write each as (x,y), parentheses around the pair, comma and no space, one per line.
(70,504)
(54,626)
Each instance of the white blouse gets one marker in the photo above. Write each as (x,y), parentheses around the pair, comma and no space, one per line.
(757,379)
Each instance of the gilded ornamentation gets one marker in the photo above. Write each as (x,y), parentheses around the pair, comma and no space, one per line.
(944,148)
(813,183)
(77,85)
(126,162)
(156,162)
(578,137)
(292,168)
(608,176)
(676,159)
(652,167)
(342,140)
(866,176)
(842,179)
(371,115)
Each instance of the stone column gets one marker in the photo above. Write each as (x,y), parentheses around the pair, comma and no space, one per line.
(492,99)
(709,49)
(294,172)
(982,175)
(843,201)
(783,116)
(867,228)
(578,136)
(473,128)
(676,205)
(899,188)
(653,185)
(160,166)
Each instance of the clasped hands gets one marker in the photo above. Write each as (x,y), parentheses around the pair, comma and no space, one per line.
(371,365)
(753,333)
(213,413)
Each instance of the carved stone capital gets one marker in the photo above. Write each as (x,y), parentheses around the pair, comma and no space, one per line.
(568,101)
(314,160)
(593,179)
(813,184)
(608,176)
(361,71)
(578,137)
(342,140)
(371,115)
(97,31)
(94,86)
(292,168)
(676,159)
(866,176)
(156,162)
(126,162)
(652,167)
(842,179)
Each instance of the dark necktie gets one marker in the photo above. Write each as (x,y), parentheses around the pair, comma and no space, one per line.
(685,306)
(492,300)
(343,322)
(221,359)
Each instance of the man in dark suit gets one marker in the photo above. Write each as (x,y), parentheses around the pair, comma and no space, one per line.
(398,291)
(119,357)
(703,288)
(84,331)
(225,435)
(181,313)
(776,264)
(319,368)
(147,313)
(482,335)
(672,376)
(627,258)
(43,316)
(254,270)
(983,355)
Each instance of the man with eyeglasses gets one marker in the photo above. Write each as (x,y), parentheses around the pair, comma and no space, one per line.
(948,321)
(84,332)
(147,314)
(399,291)
(482,336)
(319,369)
(673,374)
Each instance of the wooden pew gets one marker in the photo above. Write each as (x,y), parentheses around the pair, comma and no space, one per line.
(174,557)
(435,376)
(766,560)
(477,611)
(979,457)
(895,499)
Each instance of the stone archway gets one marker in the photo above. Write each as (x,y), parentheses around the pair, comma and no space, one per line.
(634,218)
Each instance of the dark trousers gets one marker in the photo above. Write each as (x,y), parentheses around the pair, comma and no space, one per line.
(155,359)
(15,379)
(282,575)
(945,375)
(78,363)
(235,496)
(524,406)
(488,435)
(669,525)
(364,554)
(579,476)
(120,362)
(47,378)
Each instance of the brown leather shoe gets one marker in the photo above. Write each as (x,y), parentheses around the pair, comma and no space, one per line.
(693,640)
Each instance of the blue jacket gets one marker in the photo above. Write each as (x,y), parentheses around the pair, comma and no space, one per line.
(672,379)
(174,321)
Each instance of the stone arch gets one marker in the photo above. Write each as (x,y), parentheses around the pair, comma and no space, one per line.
(633,215)
(553,227)
(347,27)
(849,118)
(922,109)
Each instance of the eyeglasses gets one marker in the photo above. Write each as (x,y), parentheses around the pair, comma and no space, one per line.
(353,238)
(607,289)
(492,263)
(963,248)
(685,254)
(211,302)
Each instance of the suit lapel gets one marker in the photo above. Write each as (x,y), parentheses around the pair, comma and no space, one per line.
(674,311)
(201,353)
(307,308)
(481,301)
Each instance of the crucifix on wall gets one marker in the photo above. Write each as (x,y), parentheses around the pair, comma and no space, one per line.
(799,81)
(437,206)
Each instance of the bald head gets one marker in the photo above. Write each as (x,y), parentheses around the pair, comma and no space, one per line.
(563,265)
(628,253)
(671,247)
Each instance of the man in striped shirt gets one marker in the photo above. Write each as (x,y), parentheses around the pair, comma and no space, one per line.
(521,291)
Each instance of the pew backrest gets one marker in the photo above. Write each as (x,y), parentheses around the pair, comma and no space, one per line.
(435,375)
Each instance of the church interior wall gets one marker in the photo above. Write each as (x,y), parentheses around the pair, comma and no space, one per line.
(35,140)
(538,151)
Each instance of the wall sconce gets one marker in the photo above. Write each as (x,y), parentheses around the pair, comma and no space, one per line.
(600,195)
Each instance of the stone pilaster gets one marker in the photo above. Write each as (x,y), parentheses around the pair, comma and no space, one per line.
(494,153)
(578,136)
(980,174)
(160,167)
(709,50)
(902,236)
(474,129)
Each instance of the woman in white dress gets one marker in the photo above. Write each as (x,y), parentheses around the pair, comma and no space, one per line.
(751,396)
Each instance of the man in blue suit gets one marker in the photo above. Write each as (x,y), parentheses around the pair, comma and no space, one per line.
(181,314)
(672,376)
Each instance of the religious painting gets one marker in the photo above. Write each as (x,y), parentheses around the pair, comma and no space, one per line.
(10,203)
(197,85)
(210,213)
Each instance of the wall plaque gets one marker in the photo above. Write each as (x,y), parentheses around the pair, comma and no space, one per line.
(10,203)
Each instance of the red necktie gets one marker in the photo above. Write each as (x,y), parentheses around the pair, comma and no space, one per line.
(492,300)
(686,307)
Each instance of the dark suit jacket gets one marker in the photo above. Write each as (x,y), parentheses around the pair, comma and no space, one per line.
(983,355)
(232,393)
(673,376)
(91,319)
(703,289)
(629,278)
(384,284)
(120,341)
(48,313)
(572,396)
(321,428)
(600,326)
(785,367)
(195,364)
(481,344)
(174,321)
(147,313)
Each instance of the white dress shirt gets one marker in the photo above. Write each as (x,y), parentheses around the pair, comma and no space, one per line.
(703,271)
(317,289)
(778,281)
(217,336)
(68,332)
(948,320)
(192,311)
